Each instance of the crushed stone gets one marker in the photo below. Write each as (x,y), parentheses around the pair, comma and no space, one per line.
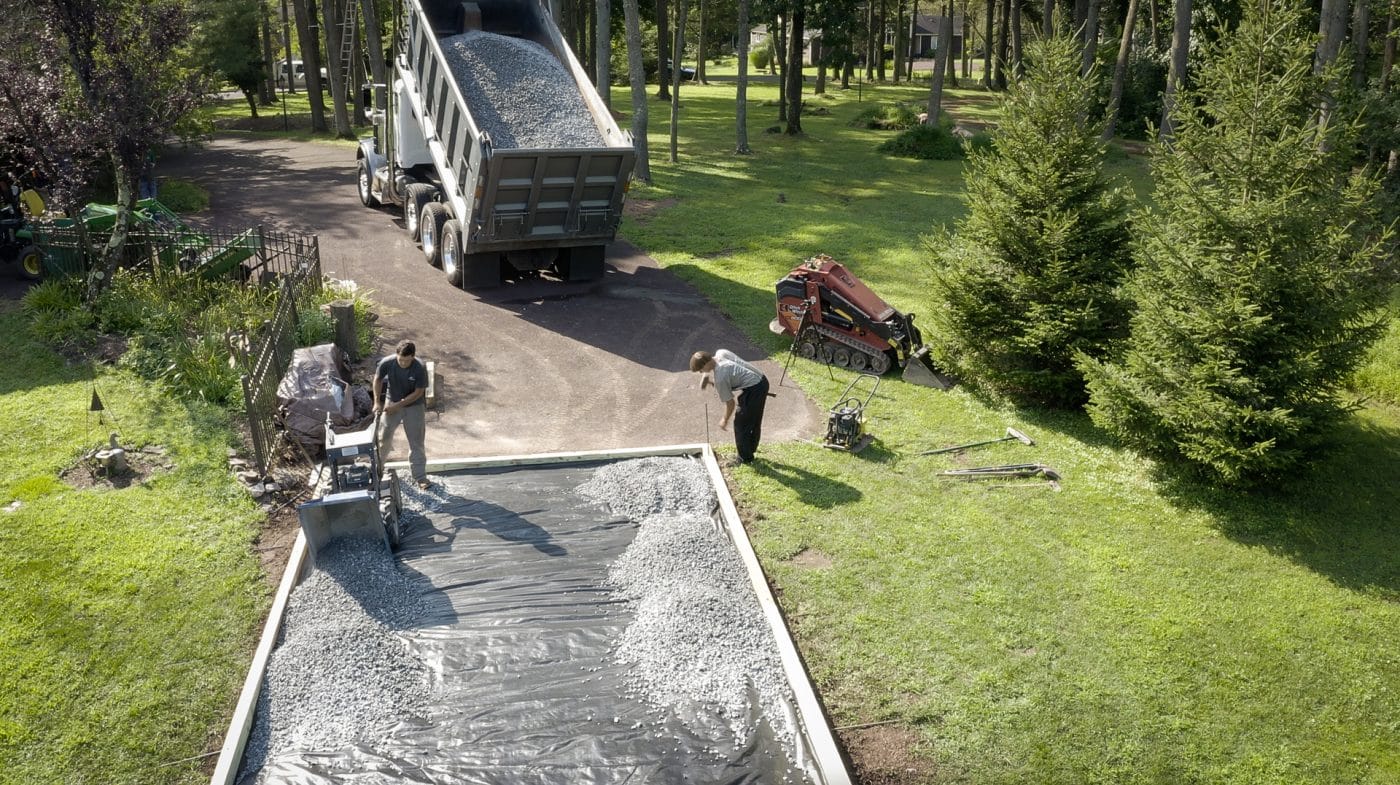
(642,487)
(699,634)
(339,674)
(519,93)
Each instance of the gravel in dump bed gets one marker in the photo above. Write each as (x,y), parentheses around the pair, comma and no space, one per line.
(642,487)
(699,632)
(519,93)
(339,674)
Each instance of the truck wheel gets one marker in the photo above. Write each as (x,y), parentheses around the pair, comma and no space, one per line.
(365,182)
(452,251)
(430,222)
(31,262)
(414,197)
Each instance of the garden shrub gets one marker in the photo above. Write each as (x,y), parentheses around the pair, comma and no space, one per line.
(1259,280)
(1029,280)
(183,196)
(887,117)
(925,142)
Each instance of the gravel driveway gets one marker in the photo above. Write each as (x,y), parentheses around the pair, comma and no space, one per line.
(537,366)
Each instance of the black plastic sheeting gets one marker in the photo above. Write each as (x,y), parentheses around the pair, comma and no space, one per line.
(512,565)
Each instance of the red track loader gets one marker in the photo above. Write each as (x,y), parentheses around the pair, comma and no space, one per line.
(834,318)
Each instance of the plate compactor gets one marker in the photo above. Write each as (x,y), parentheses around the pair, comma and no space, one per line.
(834,318)
(363,500)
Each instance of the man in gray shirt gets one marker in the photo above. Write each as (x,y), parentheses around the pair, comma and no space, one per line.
(406,381)
(744,390)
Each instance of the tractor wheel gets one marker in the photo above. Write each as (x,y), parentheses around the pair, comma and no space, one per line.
(430,222)
(414,197)
(31,262)
(452,251)
(808,345)
(365,185)
(841,357)
(879,363)
(858,360)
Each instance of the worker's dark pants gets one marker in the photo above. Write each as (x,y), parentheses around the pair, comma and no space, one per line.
(748,421)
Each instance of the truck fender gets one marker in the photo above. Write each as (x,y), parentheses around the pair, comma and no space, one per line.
(375,161)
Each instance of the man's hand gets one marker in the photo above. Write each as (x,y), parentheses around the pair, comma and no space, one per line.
(706,381)
(724,424)
(378,407)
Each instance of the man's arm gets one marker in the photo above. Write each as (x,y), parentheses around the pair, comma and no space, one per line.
(378,391)
(729,407)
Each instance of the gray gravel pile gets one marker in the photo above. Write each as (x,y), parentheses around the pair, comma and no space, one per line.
(699,634)
(642,487)
(339,674)
(519,93)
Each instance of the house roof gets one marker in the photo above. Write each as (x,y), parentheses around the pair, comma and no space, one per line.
(927,24)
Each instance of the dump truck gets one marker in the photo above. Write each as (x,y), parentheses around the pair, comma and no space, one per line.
(480,198)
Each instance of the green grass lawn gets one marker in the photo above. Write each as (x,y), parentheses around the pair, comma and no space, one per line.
(1131,629)
(127,615)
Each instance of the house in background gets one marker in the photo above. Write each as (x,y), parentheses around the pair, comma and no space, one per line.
(926,35)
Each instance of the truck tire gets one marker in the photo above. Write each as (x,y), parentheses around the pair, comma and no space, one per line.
(451,253)
(414,197)
(364,182)
(31,262)
(430,222)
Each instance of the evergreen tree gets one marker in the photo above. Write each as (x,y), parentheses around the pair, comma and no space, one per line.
(1259,271)
(1029,279)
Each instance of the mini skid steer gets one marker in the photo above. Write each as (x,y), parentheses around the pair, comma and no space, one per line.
(363,500)
(835,319)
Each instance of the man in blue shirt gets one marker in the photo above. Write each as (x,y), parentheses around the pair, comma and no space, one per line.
(403,380)
(744,390)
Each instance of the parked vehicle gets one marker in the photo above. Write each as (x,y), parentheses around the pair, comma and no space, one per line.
(480,208)
(298,71)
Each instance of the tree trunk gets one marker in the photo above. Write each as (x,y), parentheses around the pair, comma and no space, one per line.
(637,76)
(267,87)
(1047,25)
(1389,59)
(100,276)
(794,67)
(676,78)
(1331,29)
(870,40)
(1016,67)
(1091,37)
(820,88)
(1081,12)
(357,77)
(780,55)
(335,68)
(311,60)
(741,95)
(966,38)
(880,40)
(700,48)
(287,39)
(663,46)
(1120,72)
(1152,24)
(940,65)
(909,49)
(374,39)
(1003,44)
(1360,43)
(899,45)
(603,43)
(1181,42)
(252,99)
(987,46)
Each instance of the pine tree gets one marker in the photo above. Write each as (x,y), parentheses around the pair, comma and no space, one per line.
(1258,271)
(1029,279)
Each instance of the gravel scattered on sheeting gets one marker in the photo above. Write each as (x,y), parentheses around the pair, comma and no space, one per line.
(699,633)
(642,487)
(519,93)
(339,674)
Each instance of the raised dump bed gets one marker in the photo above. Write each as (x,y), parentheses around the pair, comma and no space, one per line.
(583,617)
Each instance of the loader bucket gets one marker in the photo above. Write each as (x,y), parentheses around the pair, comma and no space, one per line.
(921,370)
(335,515)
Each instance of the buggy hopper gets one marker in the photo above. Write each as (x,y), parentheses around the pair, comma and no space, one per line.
(835,319)
(363,500)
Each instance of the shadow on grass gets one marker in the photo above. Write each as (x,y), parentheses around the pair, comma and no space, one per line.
(814,489)
(1335,516)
